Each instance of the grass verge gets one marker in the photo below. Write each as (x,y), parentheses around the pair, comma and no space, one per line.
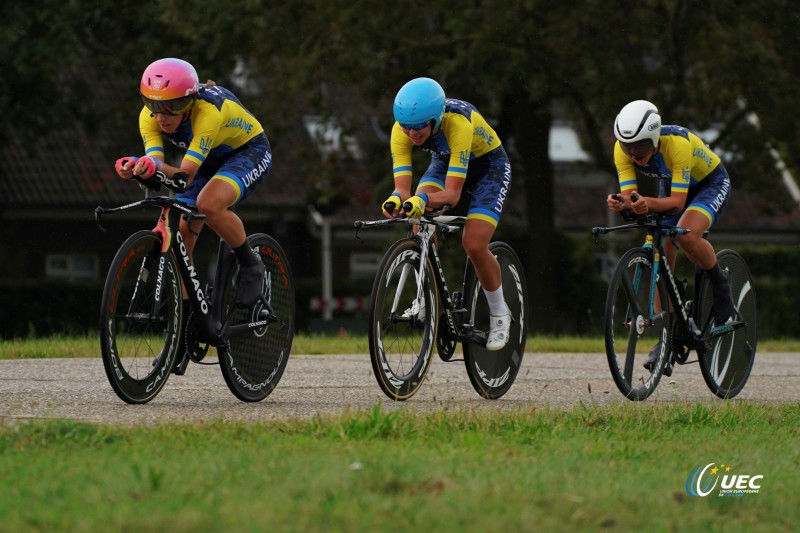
(619,468)
(323,344)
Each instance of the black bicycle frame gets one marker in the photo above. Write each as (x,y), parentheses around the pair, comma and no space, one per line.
(206,309)
(466,332)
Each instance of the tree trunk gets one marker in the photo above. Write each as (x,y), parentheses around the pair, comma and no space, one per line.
(534,177)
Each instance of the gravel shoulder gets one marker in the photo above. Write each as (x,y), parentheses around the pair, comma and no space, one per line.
(330,385)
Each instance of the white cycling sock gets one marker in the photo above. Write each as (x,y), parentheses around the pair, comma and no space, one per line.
(497,305)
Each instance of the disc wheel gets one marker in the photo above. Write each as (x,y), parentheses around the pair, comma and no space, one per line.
(253,362)
(726,361)
(493,373)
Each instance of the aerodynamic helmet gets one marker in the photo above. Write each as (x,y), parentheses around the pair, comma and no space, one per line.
(419,101)
(169,86)
(637,121)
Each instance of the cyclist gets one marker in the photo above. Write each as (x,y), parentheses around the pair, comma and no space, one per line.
(226,156)
(692,181)
(466,156)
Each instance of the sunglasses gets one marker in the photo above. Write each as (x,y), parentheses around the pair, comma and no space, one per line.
(176,106)
(638,149)
(416,127)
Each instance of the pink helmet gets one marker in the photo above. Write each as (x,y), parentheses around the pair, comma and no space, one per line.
(169,86)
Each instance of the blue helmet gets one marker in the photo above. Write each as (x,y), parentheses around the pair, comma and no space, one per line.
(419,100)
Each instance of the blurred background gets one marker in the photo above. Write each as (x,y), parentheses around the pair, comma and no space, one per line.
(321,77)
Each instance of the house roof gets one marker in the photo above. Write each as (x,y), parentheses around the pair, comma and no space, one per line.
(69,169)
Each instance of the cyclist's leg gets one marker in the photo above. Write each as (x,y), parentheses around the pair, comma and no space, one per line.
(726,360)
(476,237)
(488,183)
(671,255)
(253,360)
(703,209)
(236,178)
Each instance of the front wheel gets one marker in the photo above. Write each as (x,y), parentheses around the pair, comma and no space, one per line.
(252,362)
(493,373)
(637,325)
(402,320)
(140,318)
(727,361)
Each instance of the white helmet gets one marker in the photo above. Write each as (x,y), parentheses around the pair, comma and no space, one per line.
(637,121)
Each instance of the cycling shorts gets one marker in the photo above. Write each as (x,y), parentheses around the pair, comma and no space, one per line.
(244,169)
(709,198)
(486,185)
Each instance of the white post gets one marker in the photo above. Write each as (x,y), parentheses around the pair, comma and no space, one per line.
(327,269)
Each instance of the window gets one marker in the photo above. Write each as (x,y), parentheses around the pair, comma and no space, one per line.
(364,264)
(71,266)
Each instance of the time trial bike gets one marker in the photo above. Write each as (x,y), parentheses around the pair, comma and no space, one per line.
(648,309)
(412,311)
(142,310)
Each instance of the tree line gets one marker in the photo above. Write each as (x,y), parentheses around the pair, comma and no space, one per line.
(715,65)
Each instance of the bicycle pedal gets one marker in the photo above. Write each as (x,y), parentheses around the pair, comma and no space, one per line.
(179,368)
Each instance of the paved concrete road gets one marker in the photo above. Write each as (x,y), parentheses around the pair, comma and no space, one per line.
(77,389)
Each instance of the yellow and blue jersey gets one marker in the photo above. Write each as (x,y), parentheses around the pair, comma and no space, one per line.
(683,160)
(218,124)
(463,136)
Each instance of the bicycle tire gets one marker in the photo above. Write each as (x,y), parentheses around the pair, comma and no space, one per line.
(400,347)
(726,363)
(628,338)
(252,363)
(139,344)
(493,373)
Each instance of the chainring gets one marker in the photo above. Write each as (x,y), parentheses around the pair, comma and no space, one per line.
(680,352)
(197,351)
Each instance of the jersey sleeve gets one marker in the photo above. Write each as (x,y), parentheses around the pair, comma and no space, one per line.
(458,130)
(401,147)
(151,134)
(625,170)
(680,158)
(205,129)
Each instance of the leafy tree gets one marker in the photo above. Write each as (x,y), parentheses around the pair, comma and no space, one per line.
(523,63)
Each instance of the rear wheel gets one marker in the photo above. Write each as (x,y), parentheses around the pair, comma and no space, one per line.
(402,329)
(253,362)
(140,335)
(493,373)
(727,360)
(630,334)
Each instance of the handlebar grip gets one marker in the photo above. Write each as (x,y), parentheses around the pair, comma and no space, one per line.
(152,185)
(389,207)
(617,197)
(408,206)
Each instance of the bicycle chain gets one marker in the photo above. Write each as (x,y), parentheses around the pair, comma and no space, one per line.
(197,352)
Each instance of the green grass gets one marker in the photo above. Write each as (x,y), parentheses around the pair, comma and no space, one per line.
(622,468)
(323,344)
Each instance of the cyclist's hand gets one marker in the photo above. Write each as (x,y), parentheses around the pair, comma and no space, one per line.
(147,166)
(639,204)
(391,205)
(615,202)
(414,207)
(124,166)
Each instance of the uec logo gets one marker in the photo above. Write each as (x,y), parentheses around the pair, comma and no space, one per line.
(703,480)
